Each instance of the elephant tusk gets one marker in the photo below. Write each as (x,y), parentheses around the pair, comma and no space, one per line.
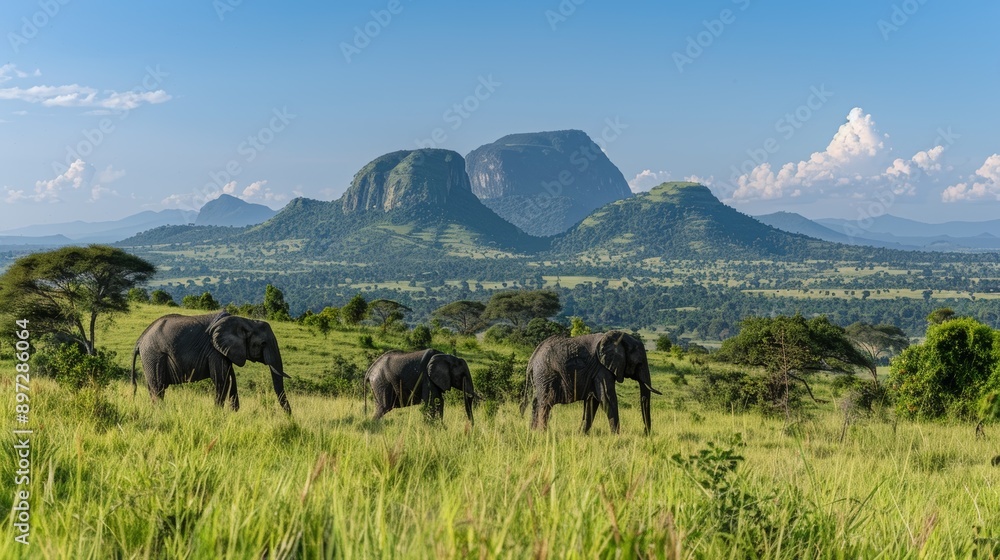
(650,387)
(274,371)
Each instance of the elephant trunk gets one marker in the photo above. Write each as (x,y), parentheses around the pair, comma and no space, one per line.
(645,395)
(470,393)
(273,360)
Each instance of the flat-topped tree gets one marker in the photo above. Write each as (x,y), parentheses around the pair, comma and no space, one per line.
(65,290)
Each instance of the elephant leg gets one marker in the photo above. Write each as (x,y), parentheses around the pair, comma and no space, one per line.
(433,402)
(589,410)
(156,378)
(540,416)
(234,399)
(384,401)
(606,392)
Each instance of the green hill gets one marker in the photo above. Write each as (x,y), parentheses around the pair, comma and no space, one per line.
(686,221)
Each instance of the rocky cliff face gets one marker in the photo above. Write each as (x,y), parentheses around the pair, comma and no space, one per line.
(407,179)
(544,182)
(228,210)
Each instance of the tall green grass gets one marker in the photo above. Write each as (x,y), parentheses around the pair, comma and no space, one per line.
(118,477)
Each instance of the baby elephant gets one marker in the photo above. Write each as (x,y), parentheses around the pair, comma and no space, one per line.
(400,379)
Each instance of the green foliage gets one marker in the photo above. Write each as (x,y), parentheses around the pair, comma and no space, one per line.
(876,342)
(324,321)
(355,310)
(342,377)
(70,366)
(387,311)
(498,334)
(160,297)
(419,338)
(138,295)
(577,327)
(940,315)
(663,343)
(502,380)
(536,331)
(366,341)
(65,290)
(950,373)
(204,302)
(521,306)
(465,316)
(275,306)
(739,391)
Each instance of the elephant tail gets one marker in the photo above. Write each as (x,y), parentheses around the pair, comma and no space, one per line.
(135,354)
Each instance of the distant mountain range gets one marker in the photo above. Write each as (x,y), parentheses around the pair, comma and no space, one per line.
(223,211)
(893,232)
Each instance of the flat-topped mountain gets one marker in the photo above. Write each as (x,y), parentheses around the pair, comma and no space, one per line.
(227,210)
(544,182)
(409,178)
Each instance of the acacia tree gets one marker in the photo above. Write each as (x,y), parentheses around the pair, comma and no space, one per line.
(67,289)
(387,311)
(466,316)
(521,306)
(877,341)
(789,348)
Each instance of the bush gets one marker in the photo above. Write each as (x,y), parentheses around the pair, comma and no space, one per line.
(738,391)
(538,330)
(69,365)
(419,337)
(663,343)
(502,380)
(159,297)
(498,334)
(366,341)
(138,295)
(342,377)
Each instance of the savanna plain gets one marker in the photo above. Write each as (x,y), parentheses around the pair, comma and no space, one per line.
(117,476)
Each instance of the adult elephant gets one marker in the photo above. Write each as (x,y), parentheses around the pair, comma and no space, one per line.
(563,370)
(399,379)
(178,349)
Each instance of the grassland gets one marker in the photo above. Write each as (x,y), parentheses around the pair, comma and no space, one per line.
(183,479)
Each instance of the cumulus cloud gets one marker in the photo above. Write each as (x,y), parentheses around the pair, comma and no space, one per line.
(80,176)
(857,159)
(983,185)
(647,179)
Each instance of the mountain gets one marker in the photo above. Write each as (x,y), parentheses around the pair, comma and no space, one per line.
(797,223)
(544,182)
(34,240)
(402,205)
(686,221)
(903,227)
(227,210)
(109,231)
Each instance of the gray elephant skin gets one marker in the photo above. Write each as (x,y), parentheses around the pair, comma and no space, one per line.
(563,370)
(399,379)
(179,349)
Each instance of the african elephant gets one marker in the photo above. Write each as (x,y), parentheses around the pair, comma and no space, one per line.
(564,370)
(400,379)
(178,349)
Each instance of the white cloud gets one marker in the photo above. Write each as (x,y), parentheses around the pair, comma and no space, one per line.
(984,184)
(75,95)
(647,179)
(9,72)
(80,176)
(857,160)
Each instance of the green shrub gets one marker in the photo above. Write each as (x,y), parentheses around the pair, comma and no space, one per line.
(69,365)
(498,334)
(502,380)
(536,331)
(366,341)
(343,377)
(663,343)
(419,338)
(738,391)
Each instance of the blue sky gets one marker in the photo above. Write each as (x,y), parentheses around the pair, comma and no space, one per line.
(109,109)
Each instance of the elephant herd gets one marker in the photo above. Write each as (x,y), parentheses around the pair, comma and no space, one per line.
(177,349)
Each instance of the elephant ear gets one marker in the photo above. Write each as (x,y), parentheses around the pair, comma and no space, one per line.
(611,354)
(229,338)
(439,371)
